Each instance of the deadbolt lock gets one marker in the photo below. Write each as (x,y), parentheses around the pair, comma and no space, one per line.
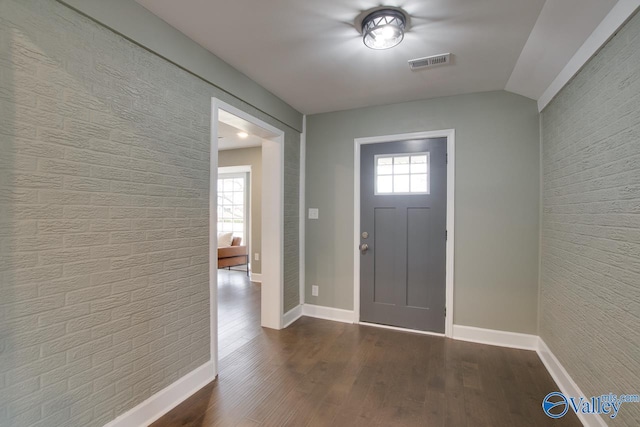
(365,235)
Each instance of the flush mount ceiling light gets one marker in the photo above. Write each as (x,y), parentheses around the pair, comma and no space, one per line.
(243,135)
(383,28)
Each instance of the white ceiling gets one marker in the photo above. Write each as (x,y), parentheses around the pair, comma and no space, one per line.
(228,138)
(310,54)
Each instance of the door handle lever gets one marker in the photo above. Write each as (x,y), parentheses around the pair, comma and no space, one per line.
(364,248)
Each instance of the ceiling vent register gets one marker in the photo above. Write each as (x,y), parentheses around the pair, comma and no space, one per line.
(429,61)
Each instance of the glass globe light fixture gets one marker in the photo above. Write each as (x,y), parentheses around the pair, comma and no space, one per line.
(383,28)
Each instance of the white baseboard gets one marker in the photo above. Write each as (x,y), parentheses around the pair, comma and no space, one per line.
(255,277)
(328,313)
(565,383)
(494,337)
(292,315)
(166,399)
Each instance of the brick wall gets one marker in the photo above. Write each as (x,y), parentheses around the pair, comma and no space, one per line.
(104,181)
(291,275)
(590,279)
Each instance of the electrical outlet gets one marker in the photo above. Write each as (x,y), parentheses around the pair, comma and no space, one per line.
(256,256)
(314,290)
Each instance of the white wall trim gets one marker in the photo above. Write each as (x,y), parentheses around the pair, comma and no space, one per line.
(213,236)
(166,399)
(540,215)
(450,134)
(302,207)
(328,313)
(272,250)
(234,169)
(255,277)
(494,337)
(565,383)
(292,315)
(615,19)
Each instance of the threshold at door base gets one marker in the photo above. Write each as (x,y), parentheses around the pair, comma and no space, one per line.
(396,328)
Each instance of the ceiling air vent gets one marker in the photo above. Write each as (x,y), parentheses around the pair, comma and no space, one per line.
(429,61)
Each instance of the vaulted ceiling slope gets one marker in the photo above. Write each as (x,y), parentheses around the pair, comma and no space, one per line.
(310,54)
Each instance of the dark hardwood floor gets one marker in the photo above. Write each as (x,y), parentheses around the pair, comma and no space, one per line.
(323,373)
(238,311)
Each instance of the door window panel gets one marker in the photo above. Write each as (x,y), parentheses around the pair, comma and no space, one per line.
(402,174)
(385,184)
(401,184)
(419,183)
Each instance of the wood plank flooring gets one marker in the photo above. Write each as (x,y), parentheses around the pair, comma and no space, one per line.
(238,311)
(323,373)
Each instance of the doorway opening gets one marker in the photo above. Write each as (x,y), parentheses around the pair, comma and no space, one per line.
(238,211)
(239,292)
(231,216)
(362,245)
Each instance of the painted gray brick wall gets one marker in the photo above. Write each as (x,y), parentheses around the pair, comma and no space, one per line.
(590,279)
(104,180)
(291,220)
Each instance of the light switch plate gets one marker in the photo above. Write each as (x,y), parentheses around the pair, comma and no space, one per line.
(313,213)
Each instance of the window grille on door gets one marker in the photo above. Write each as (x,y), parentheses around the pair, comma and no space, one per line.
(402,174)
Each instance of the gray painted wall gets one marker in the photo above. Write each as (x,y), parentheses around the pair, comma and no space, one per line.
(104,184)
(133,21)
(252,157)
(497,202)
(590,277)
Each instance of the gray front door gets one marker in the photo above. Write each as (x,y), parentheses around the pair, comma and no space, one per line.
(403,211)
